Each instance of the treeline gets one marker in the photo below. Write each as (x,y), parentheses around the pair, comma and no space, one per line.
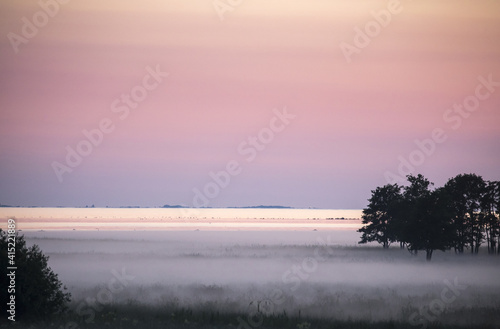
(461,215)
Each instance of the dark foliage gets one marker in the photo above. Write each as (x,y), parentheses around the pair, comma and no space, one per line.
(38,291)
(460,215)
(380,216)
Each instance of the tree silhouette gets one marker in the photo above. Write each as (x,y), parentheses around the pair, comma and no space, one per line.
(459,215)
(415,201)
(414,215)
(380,215)
(39,293)
(489,216)
(466,192)
(427,220)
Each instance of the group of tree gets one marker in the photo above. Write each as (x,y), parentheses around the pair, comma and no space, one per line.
(461,215)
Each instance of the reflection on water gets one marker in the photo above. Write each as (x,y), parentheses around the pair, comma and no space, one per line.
(180,219)
(158,213)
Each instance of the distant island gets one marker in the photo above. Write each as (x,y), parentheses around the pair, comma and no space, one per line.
(164,206)
(246,207)
(167,206)
(262,207)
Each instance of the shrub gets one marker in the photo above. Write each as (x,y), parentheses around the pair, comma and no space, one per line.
(38,291)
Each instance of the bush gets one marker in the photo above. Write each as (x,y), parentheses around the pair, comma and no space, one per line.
(38,291)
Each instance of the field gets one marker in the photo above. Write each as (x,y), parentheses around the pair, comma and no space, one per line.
(295,278)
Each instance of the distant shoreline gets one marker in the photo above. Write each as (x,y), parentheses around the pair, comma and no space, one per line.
(165,207)
(180,219)
(248,213)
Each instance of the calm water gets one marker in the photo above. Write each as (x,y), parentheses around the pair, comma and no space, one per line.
(158,213)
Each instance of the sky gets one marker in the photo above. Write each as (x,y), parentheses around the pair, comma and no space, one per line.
(237,103)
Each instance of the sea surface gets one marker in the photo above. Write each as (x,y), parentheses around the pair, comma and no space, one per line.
(180,218)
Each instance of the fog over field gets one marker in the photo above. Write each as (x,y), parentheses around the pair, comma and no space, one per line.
(317,273)
(215,164)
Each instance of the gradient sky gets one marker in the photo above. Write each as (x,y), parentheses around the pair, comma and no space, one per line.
(354,121)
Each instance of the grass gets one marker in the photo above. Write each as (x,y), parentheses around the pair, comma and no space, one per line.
(134,315)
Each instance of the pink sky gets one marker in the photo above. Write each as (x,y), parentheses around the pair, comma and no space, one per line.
(353,120)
